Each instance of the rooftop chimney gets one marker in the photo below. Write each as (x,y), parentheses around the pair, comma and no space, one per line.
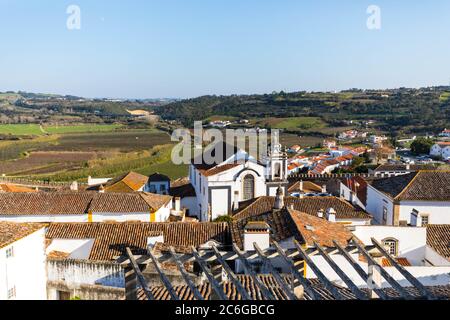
(74,186)
(279,199)
(320,213)
(331,215)
(256,232)
(353,197)
(324,188)
(408,166)
(177,204)
(101,189)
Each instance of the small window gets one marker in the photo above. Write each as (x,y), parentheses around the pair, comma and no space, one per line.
(12,292)
(10,252)
(163,187)
(391,245)
(425,220)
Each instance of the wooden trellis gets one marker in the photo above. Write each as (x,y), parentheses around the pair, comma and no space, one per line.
(218,256)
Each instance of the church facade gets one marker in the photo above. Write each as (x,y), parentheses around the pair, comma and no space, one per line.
(239,177)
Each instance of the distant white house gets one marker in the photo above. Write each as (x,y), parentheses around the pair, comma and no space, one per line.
(441,149)
(22,261)
(445,133)
(418,198)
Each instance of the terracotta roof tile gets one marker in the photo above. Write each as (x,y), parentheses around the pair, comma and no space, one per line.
(111,239)
(6,187)
(60,203)
(310,205)
(161,293)
(11,231)
(438,238)
(418,186)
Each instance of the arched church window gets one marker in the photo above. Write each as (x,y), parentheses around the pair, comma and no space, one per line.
(248,187)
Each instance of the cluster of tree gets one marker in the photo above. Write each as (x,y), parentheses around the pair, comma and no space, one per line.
(421,146)
(400,110)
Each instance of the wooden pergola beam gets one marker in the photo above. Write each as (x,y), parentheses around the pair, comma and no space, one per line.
(185,276)
(408,276)
(241,290)
(163,277)
(284,286)
(359,270)
(139,276)
(217,287)
(350,284)
(403,293)
(303,281)
(322,278)
(266,294)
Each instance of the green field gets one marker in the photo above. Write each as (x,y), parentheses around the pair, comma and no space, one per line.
(21,129)
(35,129)
(294,123)
(82,128)
(445,97)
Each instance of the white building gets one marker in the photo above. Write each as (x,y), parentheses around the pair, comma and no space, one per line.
(441,149)
(22,261)
(238,177)
(418,198)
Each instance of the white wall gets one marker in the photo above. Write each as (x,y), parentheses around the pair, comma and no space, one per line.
(439,212)
(375,203)
(26,270)
(429,276)
(435,259)
(190,203)
(412,241)
(77,248)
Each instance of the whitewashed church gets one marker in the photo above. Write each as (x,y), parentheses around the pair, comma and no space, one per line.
(239,177)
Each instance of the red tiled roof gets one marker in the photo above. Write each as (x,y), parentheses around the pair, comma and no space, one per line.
(11,232)
(111,239)
(438,238)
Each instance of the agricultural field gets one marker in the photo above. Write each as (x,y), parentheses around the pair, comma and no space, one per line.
(21,129)
(72,153)
(82,128)
(294,123)
(36,129)
(41,162)
(121,141)
(444,97)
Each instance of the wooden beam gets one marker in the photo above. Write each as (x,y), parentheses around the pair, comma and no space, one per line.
(284,286)
(303,281)
(185,276)
(322,278)
(359,270)
(408,276)
(163,277)
(265,292)
(139,276)
(353,288)
(244,294)
(217,287)
(403,293)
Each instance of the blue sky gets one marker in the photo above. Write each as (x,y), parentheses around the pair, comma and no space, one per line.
(187,48)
